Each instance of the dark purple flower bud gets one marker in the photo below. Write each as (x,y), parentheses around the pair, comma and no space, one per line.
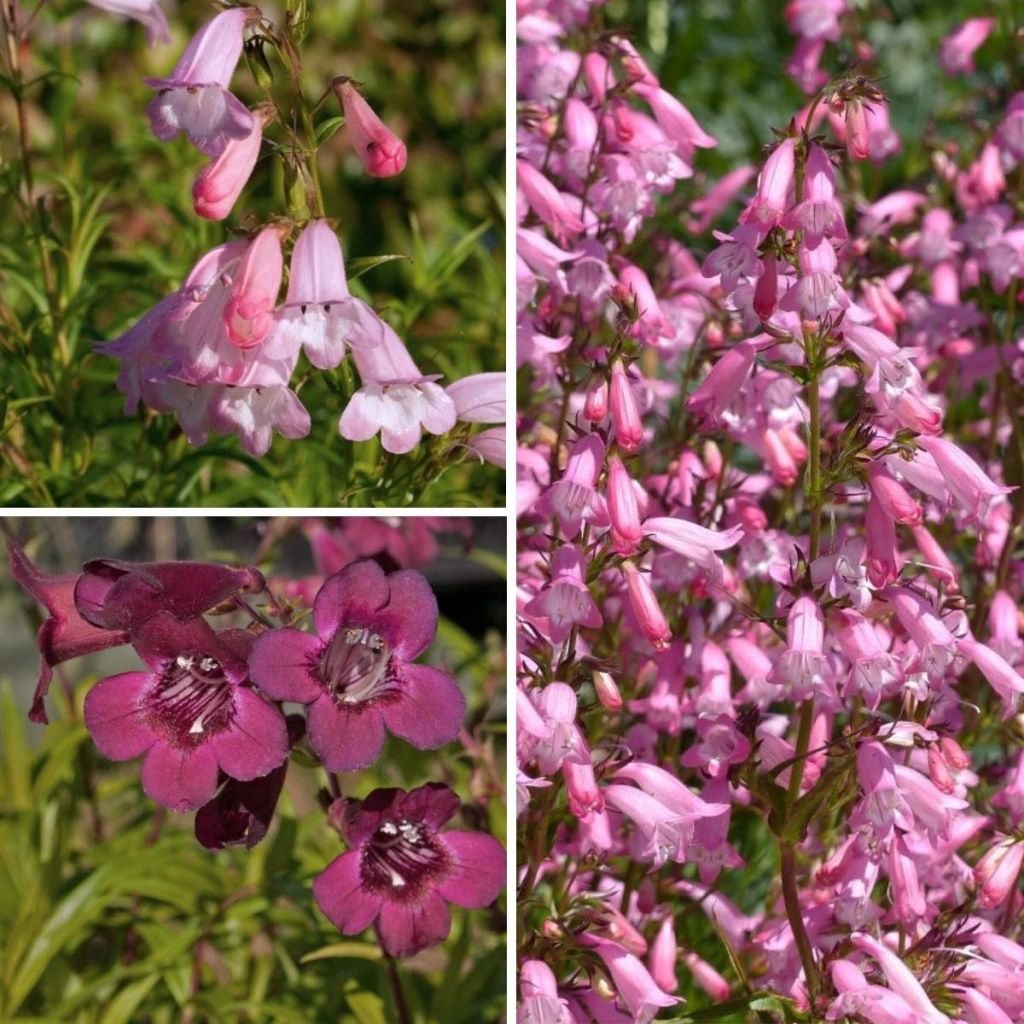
(123,595)
(401,871)
(357,674)
(64,634)
(193,713)
(241,812)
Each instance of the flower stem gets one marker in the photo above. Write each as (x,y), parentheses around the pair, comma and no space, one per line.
(402,1014)
(791,898)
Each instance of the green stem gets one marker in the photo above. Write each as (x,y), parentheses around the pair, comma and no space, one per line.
(791,898)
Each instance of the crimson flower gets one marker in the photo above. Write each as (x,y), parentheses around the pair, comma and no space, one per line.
(193,714)
(402,872)
(357,674)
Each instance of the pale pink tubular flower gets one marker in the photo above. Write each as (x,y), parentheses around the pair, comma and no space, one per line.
(629,431)
(572,499)
(956,52)
(607,691)
(802,665)
(566,602)
(773,187)
(395,398)
(646,608)
(479,398)
(723,383)
(893,497)
(219,184)
(901,979)
(1004,624)
(547,202)
(319,312)
(978,1008)
(490,445)
(663,955)
(819,215)
(970,487)
(254,413)
(997,872)
(147,12)
(716,986)
(541,1003)
(381,152)
(249,314)
(1001,675)
(935,644)
(859,999)
(634,986)
(623,509)
(858,139)
(697,543)
(194,97)
(584,795)
(935,559)
(872,668)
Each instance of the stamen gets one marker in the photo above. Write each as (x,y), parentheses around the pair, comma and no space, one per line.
(356,666)
(192,699)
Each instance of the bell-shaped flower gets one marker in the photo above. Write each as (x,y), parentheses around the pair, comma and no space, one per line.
(220,182)
(381,152)
(572,500)
(192,714)
(971,489)
(1001,675)
(194,97)
(566,601)
(147,12)
(319,313)
(395,399)
(540,1003)
(357,674)
(723,384)
(802,666)
(774,186)
(401,870)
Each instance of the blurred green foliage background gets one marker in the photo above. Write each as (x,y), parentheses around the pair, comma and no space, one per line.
(121,234)
(111,912)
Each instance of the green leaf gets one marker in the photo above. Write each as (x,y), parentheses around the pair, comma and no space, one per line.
(122,1007)
(327,128)
(360,950)
(356,268)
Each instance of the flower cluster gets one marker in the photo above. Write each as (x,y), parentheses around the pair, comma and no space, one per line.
(220,352)
(206,715)
(769,570)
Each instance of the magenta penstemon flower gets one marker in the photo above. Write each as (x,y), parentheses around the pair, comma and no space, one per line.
(357,674)
(401,871)
(193,713)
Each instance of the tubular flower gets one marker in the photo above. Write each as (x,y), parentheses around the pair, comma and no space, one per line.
(395,399)
(319,313)
(194,97)
(381,152)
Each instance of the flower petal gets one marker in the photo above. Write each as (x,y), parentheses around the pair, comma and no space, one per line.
(406,928)
(410,617)
(279,665)
(478,869)
(113,715)
(431,708)
(344,740)
(353,593)
(256,742)
(338,892)
(181,780)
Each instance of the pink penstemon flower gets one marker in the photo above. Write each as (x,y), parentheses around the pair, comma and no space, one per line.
(381,152)
(194,97)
